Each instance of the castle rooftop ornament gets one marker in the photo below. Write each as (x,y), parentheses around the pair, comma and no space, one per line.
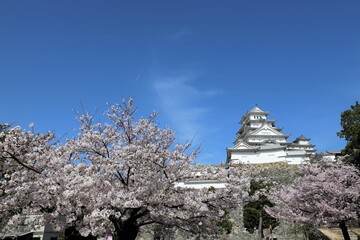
(260,141)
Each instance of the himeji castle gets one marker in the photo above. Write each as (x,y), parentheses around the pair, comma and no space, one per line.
(260,141)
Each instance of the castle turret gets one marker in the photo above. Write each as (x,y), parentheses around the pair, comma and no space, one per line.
(260,141)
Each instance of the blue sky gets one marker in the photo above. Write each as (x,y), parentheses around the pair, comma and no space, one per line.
(201,64)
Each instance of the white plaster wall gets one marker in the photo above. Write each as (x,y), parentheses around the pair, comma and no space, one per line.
(303,142)
(255,124)
(258,157)
(329,156)
(295,159)
(257,117)
(201,184)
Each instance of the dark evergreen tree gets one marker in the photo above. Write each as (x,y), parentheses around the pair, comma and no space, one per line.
(255,217)
(225,223)
(350,123)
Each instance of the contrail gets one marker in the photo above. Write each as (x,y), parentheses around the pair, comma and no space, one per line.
(140,72)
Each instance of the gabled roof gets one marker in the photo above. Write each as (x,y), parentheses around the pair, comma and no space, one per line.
(242,145)
(302,138)
(266,127)
(334,152)
(254,110)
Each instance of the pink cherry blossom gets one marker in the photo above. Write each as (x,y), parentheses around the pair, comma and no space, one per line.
(324,193)
(114,178)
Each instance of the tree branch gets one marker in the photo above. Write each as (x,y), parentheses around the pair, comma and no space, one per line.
(21,163)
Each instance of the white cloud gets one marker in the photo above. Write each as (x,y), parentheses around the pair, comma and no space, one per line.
(182,103)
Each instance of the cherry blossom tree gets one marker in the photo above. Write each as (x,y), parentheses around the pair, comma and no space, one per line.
(324,193)
(27,159)
(113,178)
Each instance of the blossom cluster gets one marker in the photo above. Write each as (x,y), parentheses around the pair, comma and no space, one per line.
(114,177)
(324,193)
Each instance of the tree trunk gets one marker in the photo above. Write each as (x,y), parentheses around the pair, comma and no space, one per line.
(260,229)
(72,234)
(127,230)
(344,230)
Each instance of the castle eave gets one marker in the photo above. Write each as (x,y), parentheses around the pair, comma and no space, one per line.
(269,136)
(243,149)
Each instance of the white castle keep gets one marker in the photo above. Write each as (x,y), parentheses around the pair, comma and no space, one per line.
(260,141)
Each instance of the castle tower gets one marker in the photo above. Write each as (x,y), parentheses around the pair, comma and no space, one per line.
(260,141)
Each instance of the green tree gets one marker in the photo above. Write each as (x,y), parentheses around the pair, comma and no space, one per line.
(350,123)
(255,216)
(225,223)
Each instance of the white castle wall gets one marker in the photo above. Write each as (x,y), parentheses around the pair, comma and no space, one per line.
(258,157)
(198,184)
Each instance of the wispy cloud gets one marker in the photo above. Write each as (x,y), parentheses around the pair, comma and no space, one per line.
(180,34)
(182,103)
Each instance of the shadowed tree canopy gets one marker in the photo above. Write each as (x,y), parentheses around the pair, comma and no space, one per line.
(254,210)
(350,123)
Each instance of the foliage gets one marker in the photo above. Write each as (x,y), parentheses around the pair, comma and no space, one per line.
(225,223)
(114,178)
(254,210)
(264,177)
(350,123)
(324,193)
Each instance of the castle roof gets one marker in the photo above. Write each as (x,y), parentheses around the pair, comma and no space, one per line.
(267,130)
(259,140)
(254,111)
(302,138)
